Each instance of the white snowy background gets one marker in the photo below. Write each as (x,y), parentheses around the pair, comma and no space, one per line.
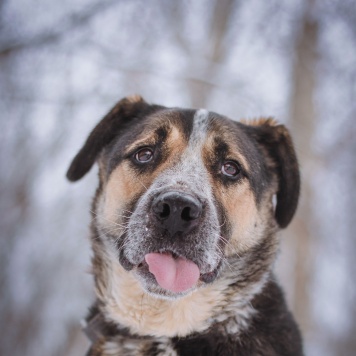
(64,64)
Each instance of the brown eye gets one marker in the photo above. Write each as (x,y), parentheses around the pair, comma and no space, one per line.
(230,169)
(144,155)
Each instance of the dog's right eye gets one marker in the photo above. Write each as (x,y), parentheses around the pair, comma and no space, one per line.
(144,155)
(230,169)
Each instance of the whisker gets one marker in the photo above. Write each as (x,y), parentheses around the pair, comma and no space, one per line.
(222,224)
(110,221)
(141,183)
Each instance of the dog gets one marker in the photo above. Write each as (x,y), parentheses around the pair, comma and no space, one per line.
(184,232)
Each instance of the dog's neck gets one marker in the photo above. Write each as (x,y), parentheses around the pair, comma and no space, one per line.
(123,302)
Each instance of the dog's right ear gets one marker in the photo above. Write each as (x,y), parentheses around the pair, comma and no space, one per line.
(124,113)
(278,145)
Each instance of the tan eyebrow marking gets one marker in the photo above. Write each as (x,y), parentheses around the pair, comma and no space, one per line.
(233,151)
(240,158)
(159,120)
(144,141)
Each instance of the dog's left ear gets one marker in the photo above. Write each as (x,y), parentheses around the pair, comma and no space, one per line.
(276,140)
(125,113)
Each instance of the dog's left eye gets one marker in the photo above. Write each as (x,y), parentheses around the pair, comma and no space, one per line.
(230,169)
(144,155)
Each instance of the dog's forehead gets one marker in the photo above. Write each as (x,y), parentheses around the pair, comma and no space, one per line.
(198,130)
(197,126)
(205,123)
(200,125)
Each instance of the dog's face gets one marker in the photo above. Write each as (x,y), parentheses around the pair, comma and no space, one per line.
(184,191)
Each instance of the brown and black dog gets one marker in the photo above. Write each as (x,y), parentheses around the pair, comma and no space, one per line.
(184,232)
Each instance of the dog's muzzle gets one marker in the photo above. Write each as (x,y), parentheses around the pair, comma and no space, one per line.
(167,252)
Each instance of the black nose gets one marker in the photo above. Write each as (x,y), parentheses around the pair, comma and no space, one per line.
(176,211)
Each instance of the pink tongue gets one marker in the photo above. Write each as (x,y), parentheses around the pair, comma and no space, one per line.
(176,275)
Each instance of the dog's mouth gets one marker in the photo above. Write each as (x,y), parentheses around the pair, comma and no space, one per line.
(173,273)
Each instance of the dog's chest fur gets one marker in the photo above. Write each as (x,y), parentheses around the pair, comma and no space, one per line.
(193,189)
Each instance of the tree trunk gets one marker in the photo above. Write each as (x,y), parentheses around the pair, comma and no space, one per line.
(302,125)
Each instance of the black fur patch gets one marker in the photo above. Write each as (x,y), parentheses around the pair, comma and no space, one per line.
(273,332)
(277,143)
(120,119)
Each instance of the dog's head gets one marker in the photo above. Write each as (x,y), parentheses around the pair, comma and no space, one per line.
(183,191)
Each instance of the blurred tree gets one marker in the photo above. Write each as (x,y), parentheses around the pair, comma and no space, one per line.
(204,60)
(303,122)
(62,65)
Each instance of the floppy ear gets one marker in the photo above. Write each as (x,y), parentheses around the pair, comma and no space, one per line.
(124,113)
(278,143)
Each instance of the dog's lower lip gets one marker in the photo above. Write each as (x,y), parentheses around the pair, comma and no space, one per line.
(128,266)
(209,277)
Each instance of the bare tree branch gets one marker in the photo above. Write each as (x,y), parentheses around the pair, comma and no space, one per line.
(59,31)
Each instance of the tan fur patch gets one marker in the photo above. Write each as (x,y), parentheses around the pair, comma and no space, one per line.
(127,303)
(241,210)
(174,139)
(128,101)
(243,215)
(260,121)
(223,133)
(134,98)
(121,187)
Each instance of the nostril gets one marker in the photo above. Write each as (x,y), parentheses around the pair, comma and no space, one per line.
(162,210)
(185,215)
(189,213)
(165,211)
